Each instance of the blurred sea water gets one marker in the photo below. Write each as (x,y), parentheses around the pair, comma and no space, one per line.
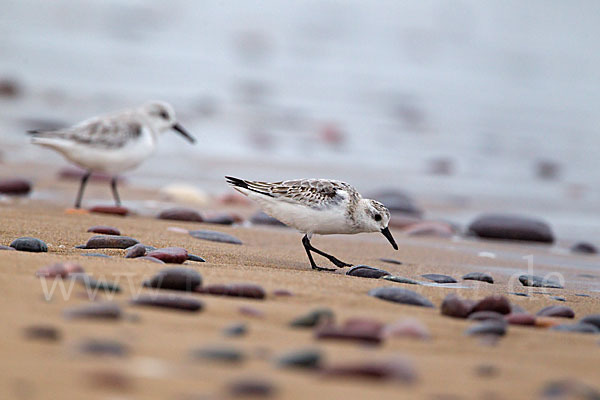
(456,102)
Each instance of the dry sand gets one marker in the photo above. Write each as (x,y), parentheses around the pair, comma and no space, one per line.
(159,366)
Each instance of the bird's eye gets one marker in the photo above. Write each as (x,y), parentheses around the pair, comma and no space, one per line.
(164,115)
(377,217)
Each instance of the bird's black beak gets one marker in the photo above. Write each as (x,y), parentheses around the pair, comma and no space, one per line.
(184,133)
(386,232)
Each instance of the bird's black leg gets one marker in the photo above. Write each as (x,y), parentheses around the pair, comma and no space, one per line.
(113,185)
(84,180)
(338,263)
(308,247)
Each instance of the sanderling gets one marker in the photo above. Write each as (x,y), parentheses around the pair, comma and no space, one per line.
(112,143)
(318,206)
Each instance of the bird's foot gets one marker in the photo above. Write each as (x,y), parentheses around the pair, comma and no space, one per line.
(322,269)
(339,263)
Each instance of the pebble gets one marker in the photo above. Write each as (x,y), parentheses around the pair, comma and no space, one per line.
(486,316)
(537,281)
(100,255)
(181,214)
(110,242)
(42,332)
(582,295)
(236,330)
(411,328)
(29,244)
(578,328)
(3,247)
(251,311)
(584,248)
(192,257)
(520,319)
(152,259)
(487,328)
(593,319)
(457,307)
(364,271)
(111,210)
(215,236)
(478,276)
(103,347)
(251,388)
(519,294)
(15,187)
(486,370)
(558,298)
(569,389)
(10,88)
(393,370)
(170,255)
(59,270)
(364,334)
(235,199)
(397,201)
(439,278)
(511,227)
(261,218)
(183,279)
(248,290)
(105,311)
(497,303)
(110,380)
(391,261)
(399,279)
(400,295)
(314,318)
(227,354)
(169,301)
(282,293)
(104,230)
(556,311)
(221,219)
(303,359)
(135,251)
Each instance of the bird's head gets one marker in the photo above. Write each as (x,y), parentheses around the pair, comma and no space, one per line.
(162,116)
(375,217)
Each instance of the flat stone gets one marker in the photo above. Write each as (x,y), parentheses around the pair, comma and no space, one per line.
(104,230)
(520,319)
(227,354)
(439,278)
(519,294)
(558,298)
(282,293)
(220,219)
(557,311)
(103,347)
(511,227)
(261,218)
(29,244)
(110,242)
(569,389)
(42,332)
(411,328)
(399,279)
(215,236)
(497,303)
(478,276)
(390,261)
(313,318)
(169,301)
(251,388)
(454,306)
(487,328)
(393,370)
(236,330)
(15,187)
(247,290)
(3,247)
(401,296)
(170,255)
(301,359)
(135,251)
(577,328)
(584,248)
(104,311)
(61,270)
(111,210)
(183,279)
(358,334)
(486,316)
(593,319)
(537,281)
(364,271)
(192,257)
(151,259)
(181,214)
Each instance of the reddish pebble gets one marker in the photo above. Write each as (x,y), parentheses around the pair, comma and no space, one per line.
(251,312)
(135,251)
(248,290)
(363,332)
(557,311)
(394,370)
(15,187)
(234,199)
(181,214)
(497,303)
(520,319)
(105,230)
(454,306)
(170,255)
(114,210)
(282,293)
(59,270)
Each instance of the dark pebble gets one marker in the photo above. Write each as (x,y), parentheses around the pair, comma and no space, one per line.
(486,316)
(313,318)
(110,242)
(511,227)
(42,332)
(358,333)
(192,257)
(577,328)
(399,279)
(364,271)
(184,279)
(556,311)
(478,276)
(102,311)
(282,293)
(96,255)
(236,330)
(227,354)
(519,294)
(15,187)
(439,278)
(10,88)
(536,281)
(251,388)
(454,306)
(487,328)
(135,251)
(104,230)
(486,370)
(496,302)
(584,248)
(391,261)
(582,295)
(102,347)
(261,218)
(558,298)
(170,255)
(3,247)
(112,210)
(593,319)
(220,219)
(59,270)
(215,236)
(29,244)
(303,359)
(152,259)
(169,301)
(248,290)
(400,295)
(181,214)
(520,319)
(397,201)
(569,389)
(394,370)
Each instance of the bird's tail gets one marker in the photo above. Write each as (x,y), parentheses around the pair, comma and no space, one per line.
(238,183)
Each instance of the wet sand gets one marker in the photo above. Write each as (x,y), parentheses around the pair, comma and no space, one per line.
(159,365)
